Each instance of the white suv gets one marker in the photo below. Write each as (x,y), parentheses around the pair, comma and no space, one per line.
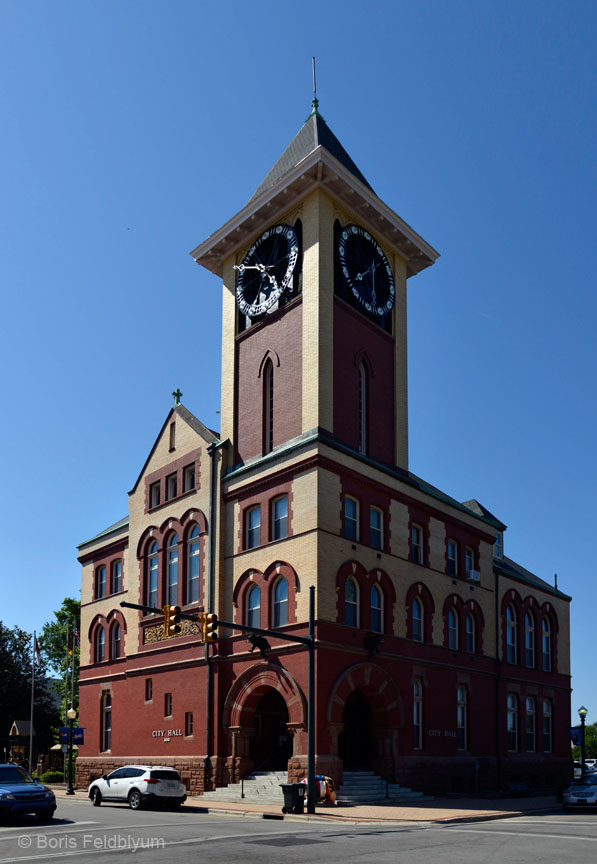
(139,785)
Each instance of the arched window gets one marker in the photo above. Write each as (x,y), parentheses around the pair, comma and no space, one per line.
(268,407)
(512,722)
(531,725)
(417,620)
(453,629)
(115,641)
(529,640)
(172,570)
(253,607)
(462,718)
(100,645)
(351,603)
(376,609)
(363,408)
(106,722)
(192,592)
(546,644)
(547,726)
(511,635)
(417,714)
(152,575)
(281,603)
(470,633)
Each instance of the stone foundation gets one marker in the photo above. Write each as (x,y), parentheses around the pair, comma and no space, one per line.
(191,769)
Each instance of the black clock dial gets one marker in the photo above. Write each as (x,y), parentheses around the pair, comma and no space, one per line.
(266,270)
(365,270)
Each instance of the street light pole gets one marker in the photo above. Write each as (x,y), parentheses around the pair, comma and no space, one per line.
(582,713)
(71,714)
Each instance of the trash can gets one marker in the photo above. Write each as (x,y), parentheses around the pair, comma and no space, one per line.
(294,797)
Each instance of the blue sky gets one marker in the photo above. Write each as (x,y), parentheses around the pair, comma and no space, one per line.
(133,129)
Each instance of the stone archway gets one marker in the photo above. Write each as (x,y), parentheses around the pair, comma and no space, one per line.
(364,703)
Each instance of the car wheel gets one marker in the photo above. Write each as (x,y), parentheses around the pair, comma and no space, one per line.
(45,815)
(135,800)
(96,797)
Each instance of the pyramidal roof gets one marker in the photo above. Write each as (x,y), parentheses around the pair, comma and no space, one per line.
(314,133)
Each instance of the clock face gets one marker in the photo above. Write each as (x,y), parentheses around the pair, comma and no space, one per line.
(366,270)
(266,270)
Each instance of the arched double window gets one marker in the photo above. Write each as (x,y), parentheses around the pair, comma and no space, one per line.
(418,623)
(172,570)
(470,633)
(151,574)
(529,640)
(253,607)
(280,602)
(546,644)
(106,722)
(193,549)
(511,635)
(351,603)
(462,718)
(453,629)
(376,609)
(268,407)
(115,646)
(100,645)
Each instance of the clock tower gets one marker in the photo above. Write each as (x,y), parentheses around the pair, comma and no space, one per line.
(314,268)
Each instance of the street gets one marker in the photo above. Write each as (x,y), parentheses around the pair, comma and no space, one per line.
(111,831)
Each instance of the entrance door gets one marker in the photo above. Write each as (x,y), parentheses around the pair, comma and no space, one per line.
(271,745)
(355,742)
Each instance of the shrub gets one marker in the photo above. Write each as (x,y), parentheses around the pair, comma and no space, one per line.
(52,777)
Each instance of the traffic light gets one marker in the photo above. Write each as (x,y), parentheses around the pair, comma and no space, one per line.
(171,620)
(210,633)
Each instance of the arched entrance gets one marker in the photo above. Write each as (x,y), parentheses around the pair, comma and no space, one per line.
(356,745)
(271,745)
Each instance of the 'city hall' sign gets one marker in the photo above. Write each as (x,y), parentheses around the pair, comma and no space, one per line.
(166,734)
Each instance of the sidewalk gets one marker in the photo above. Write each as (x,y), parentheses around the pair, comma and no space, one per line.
(440,810)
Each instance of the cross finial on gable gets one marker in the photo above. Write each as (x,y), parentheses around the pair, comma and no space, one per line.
(177,394)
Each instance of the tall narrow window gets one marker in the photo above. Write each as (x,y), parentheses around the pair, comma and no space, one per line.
(154,494)
(417,715)
(171,487)
(148,689)
(100,582)
(470,633)
(416,544)
(511,635)
(462,718)
(172,569)
(268,407)
(363,406)
(192,593)
(100,645)
(417,620)
(116,578)
(280,518)
(375,527)
(351,518)
(498,546)
(512,722)
(281,603)
(547,726)
(188,478)
(152,575)
(452,558)
(376,609)
(453,630)
(115,642)
(546,644)
(253,527)
(188,723)
(531,724)
(529,640)
(167,704)
(106,730)
(351,603)
(253,607)
(172,436)
(469,560)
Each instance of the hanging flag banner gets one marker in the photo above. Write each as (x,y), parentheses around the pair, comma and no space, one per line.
(576,735)
(78,734)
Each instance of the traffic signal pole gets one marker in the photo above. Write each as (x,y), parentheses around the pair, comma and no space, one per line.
(307,641)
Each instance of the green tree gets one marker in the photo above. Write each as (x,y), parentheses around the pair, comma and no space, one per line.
(590,743)
(56,652)
(15,690)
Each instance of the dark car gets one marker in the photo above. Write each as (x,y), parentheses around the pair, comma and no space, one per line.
(20,794)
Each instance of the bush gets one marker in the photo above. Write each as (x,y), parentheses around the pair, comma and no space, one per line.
(52,777)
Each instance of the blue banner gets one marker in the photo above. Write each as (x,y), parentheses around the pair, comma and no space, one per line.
(576,735)
(78,735)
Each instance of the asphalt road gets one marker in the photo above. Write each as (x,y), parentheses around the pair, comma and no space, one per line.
(111,833)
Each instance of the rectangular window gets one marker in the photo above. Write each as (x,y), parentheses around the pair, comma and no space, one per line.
(171,489)
(351,518)
(172,436)
(148,690)
(280,518)
(188,478)
(167,704)
(498,546)
(512,723)
(469,560)
(154,494)
(100,582)
(376,528)
(452,558)
(253,528)
(547,726)
(416,544)
(188,723)
(116,587)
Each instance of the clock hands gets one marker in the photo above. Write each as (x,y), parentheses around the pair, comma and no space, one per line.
(371,269)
